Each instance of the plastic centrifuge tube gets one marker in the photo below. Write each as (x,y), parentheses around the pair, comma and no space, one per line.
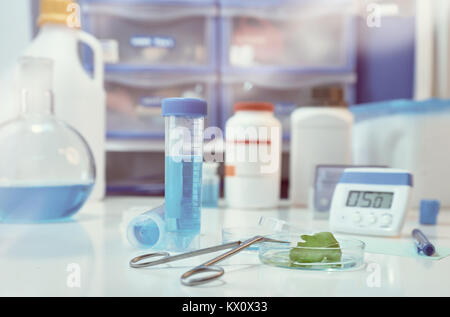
(184,119)
(148,229)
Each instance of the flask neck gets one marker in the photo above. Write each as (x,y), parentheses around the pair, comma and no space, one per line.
(59,30)
(36,102)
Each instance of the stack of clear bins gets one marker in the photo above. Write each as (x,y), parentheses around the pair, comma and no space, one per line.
(288,34)
(292,53)
(149,34)
(153,49)
(134,100)
(287,91)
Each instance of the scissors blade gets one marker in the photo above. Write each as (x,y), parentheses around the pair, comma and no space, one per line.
(134,262)
(273,240)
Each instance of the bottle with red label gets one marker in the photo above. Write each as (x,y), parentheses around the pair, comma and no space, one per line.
(253,157)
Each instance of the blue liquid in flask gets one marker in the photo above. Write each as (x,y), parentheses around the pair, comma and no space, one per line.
(41,203)
(183,194)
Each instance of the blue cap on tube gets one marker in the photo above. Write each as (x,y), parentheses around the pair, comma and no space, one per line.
(429,210)
(184,107)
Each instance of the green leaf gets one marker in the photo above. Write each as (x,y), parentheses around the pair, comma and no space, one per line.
(306,253)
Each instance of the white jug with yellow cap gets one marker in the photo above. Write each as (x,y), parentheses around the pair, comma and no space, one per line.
(79,96)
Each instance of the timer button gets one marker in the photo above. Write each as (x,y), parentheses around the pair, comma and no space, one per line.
(357,218)
(372,219)
(386,220)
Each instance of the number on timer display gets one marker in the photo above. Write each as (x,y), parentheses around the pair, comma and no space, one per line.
(376,200)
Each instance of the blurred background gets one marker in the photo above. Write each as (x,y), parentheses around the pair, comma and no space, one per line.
(293,53)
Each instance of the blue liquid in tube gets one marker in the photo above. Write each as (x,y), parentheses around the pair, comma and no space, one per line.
(210,194)
(147,234)
(183,194)
(41,203)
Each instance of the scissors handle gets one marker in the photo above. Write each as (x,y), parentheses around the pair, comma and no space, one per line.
(185,278)
(210,267)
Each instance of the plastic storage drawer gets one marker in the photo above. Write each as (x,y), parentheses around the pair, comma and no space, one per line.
(134,101)
(302,35)
(287,93)
(147,34)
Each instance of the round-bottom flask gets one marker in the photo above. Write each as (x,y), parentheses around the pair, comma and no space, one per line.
(47,170)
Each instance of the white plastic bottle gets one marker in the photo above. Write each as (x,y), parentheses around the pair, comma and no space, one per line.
(319,136)
(253,157)
(79,97)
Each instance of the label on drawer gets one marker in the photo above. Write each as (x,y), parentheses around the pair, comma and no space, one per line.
(152,41)
(151,101)
(149,106)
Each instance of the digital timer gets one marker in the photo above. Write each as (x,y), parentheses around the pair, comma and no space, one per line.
(372,201)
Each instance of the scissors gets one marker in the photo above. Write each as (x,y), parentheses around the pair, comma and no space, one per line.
(186,278)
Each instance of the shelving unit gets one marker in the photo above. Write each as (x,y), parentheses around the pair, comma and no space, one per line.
(154,47)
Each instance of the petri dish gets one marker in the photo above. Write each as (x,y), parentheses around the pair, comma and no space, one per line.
(277,254)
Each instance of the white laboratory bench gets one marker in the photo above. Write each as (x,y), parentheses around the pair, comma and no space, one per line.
(89,256)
